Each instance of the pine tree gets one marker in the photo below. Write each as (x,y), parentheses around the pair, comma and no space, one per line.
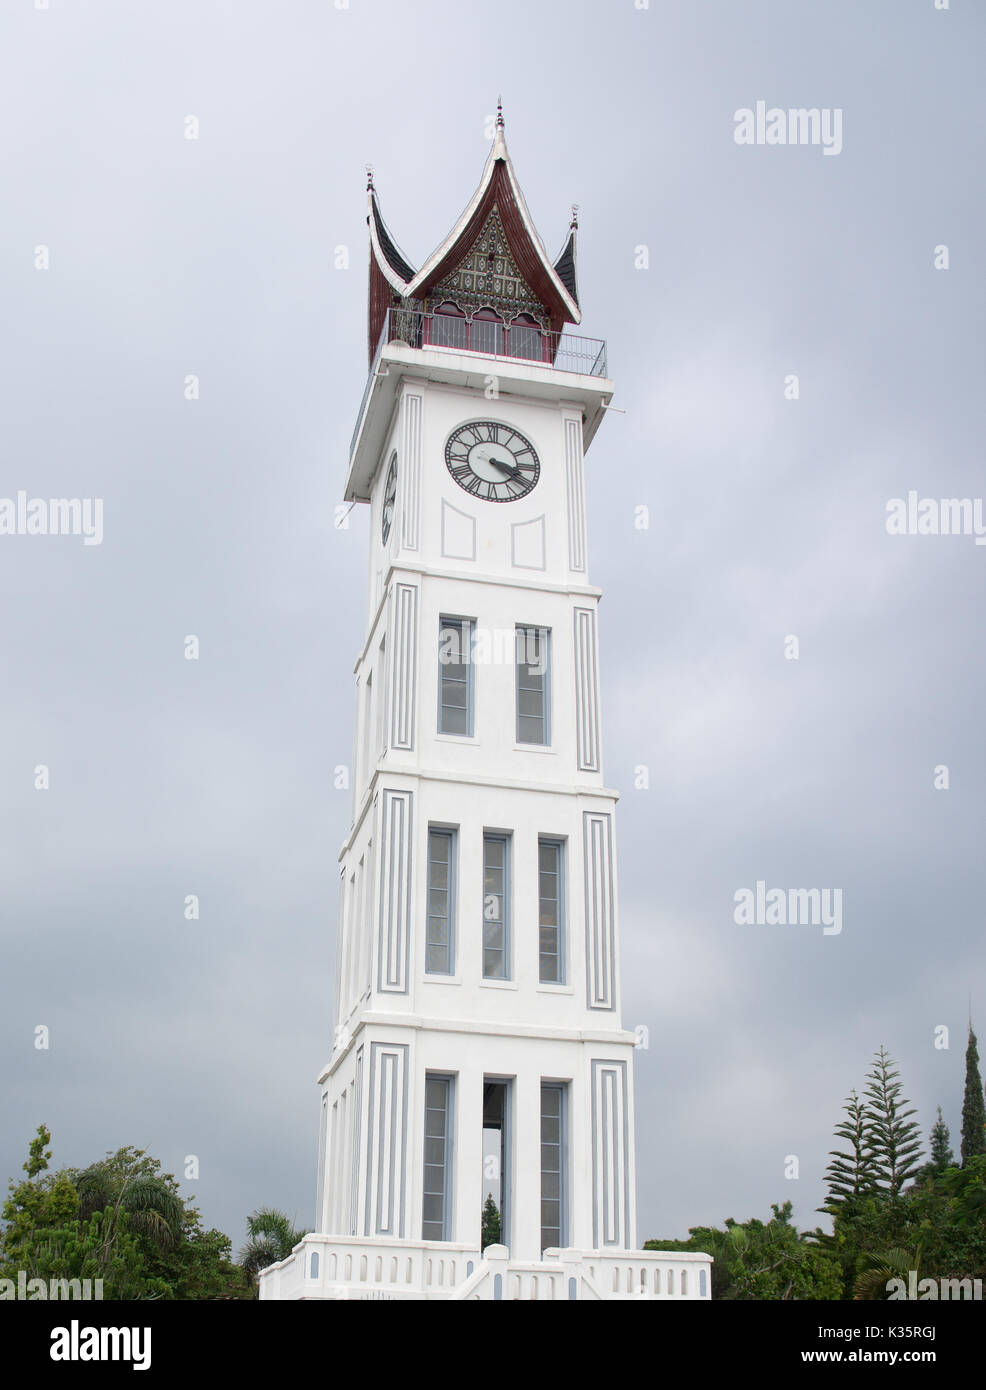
(850,1175)
(973,1107)
(941,1146)
(491,1223)
(894,1137)
(942,1157)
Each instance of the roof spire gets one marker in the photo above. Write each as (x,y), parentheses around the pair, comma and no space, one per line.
(369,179)
(574,224)
(499,112)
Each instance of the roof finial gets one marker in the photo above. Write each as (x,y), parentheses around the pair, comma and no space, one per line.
(499,112)
(575,218)
(369,179)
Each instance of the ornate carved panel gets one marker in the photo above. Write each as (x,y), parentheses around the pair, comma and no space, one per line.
(488,275)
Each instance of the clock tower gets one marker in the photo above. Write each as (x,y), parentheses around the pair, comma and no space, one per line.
(479,1060)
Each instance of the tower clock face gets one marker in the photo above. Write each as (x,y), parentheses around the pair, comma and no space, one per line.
(389,499)
(491,461)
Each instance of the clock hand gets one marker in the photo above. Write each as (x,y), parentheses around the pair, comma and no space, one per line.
(510,470)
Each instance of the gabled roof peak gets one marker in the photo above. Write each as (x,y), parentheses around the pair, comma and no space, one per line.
(551,283)
(500,187)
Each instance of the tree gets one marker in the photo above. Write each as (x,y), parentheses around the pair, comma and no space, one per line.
(973,1107)
(271,1237)
(763,1260)
(120,1220)
(850,1175)
(130,1183)
(44,1202)
(490,1228)
(942,1157)
(876,1272)
(895,1138)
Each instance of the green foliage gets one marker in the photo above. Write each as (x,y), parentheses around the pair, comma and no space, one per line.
(942,1157)
(271,1236)
(894,1138)
(490,1226)
(764,1261)
(120,1220)
(45,1202)
(973,1104)
(850,1174)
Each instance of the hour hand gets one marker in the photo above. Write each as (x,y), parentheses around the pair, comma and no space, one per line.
(510,470)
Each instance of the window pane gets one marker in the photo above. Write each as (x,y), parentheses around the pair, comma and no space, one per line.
(438,938)
(495,895)
(553,1219)
(486,335)
(448,327)
(435,1191)
(454,721)
(530,730)
(436,960)
(549,912)
(532,684)
(454,650)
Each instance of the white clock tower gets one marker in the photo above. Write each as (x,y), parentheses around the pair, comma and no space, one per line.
(479,1051)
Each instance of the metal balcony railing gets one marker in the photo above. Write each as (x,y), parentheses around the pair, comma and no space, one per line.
(566,352)
(483,337)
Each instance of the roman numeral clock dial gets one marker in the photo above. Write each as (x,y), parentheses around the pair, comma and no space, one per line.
(492,462)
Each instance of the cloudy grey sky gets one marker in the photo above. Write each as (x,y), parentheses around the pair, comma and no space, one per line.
(215,257)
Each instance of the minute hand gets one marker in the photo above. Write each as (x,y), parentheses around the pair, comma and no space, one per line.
(511,470)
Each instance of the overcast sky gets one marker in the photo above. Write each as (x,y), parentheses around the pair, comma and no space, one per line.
(216,257)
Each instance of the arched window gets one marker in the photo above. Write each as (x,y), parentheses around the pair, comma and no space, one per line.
(448,326)
(486,332)
(526,339)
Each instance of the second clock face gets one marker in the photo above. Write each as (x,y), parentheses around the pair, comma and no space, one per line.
(389,498)
(492,461)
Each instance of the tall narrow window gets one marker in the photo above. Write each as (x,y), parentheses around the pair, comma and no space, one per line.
(455,677)
(436,1209)
(496,893)
(526,339)
(486,332)
(496,1151)
(554,1217)
(551,912)
(448,326)
(533,644)
(441,902)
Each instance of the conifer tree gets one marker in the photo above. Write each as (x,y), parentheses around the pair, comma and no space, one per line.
(850,1174)
(941,1146)
(973,1107)
(895,1138)
(942,1158)
(491,1223)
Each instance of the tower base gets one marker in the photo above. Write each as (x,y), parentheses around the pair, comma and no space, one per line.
(338,1267)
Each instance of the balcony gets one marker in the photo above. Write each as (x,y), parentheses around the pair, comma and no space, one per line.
(325,1267)
(492,337)
(526,360)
